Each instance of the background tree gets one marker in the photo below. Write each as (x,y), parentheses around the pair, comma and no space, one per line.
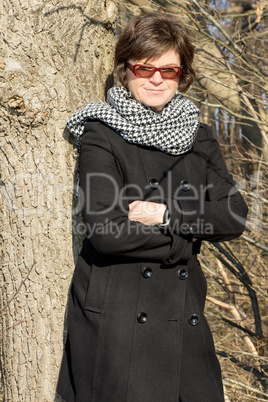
(55,57)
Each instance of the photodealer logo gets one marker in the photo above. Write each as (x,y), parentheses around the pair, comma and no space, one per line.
(102,229)
(255,217)
(200,226)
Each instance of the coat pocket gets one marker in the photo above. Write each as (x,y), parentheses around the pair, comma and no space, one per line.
(97,289)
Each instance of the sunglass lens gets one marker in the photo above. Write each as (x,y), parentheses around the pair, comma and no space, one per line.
(144,71)
(170,73)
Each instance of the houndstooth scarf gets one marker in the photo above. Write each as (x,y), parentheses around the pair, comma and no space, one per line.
(173,130)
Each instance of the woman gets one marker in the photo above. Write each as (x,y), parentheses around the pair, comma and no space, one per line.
(154,186)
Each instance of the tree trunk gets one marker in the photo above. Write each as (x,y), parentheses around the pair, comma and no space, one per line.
(55,57)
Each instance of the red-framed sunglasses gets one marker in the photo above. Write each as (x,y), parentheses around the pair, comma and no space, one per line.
(144,71)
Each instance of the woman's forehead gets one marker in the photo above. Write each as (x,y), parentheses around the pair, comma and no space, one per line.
(168,57)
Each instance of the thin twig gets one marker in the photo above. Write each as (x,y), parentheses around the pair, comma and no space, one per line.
(19,288)
(234,324)
(255,243)
(12,326)
(259,374)
(243,386)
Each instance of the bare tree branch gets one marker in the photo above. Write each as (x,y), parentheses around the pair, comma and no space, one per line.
(228,381)
(234,311)
(234,324)
(259,374)
(237,49)
(240,273)
(255,243)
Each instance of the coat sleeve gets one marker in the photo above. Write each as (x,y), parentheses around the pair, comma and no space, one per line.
(105,211)
(219,213)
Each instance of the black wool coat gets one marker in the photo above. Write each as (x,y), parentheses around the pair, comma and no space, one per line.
(136,328)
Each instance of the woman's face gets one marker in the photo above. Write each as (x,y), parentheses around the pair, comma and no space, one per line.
(156,91)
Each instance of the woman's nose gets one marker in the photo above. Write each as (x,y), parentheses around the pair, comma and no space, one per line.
(156,78)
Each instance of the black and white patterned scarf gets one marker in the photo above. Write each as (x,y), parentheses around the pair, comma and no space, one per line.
(173,130)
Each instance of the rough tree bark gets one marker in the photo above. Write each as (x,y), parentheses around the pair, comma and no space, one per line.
(55,57)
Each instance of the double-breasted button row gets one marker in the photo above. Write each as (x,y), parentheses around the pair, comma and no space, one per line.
(147,272)
(193,319)
(185,185)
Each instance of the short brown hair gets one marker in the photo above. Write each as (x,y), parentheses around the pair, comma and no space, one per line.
(149,36)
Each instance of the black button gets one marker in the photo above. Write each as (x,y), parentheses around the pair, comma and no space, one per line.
(154,184)
(147,272)
(170,260)
(142,318)
(194,319)
(188,228)
(183,273)
(185,185)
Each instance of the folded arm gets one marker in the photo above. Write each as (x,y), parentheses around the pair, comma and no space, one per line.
(220,212)
(106,213)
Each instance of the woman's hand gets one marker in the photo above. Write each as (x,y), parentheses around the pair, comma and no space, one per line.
(146,212)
